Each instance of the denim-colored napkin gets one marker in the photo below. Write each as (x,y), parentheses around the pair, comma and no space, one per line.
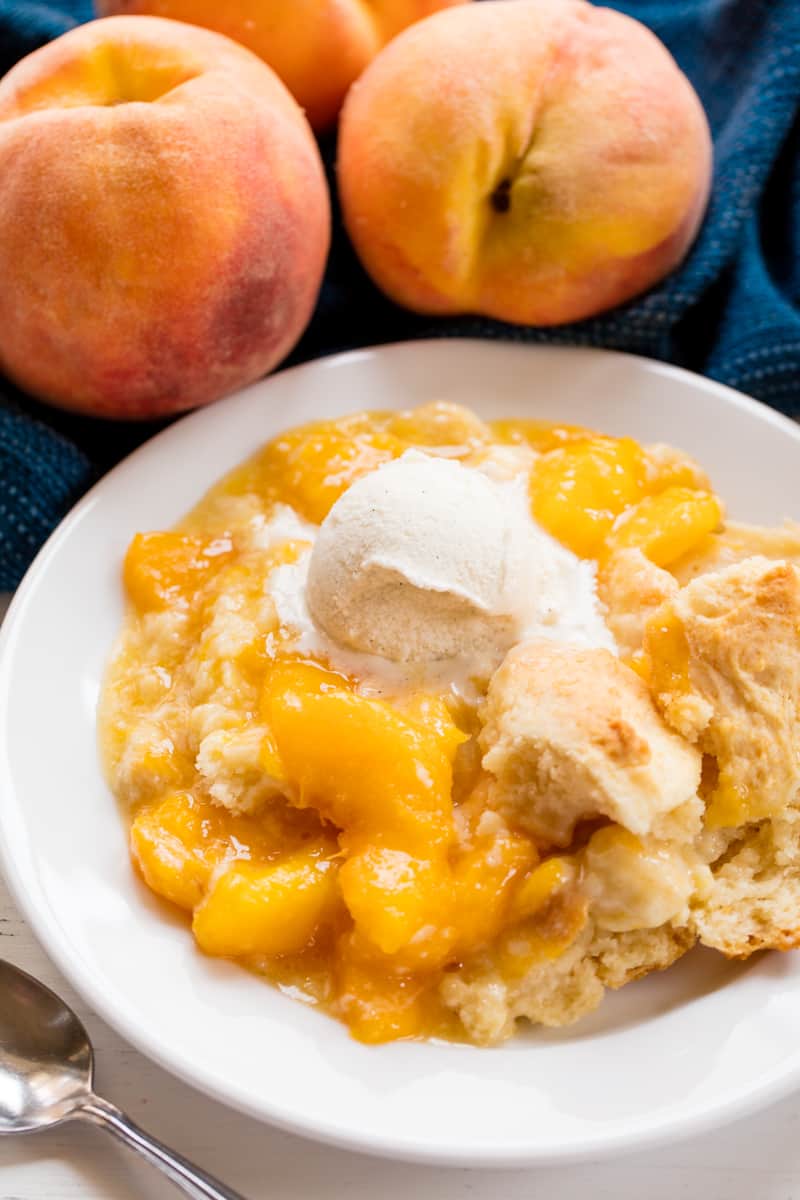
(731,310)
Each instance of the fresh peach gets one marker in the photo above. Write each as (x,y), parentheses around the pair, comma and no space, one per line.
(318,47)
(536,161)
(164,218)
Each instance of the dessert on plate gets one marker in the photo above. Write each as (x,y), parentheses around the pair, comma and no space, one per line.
(446,726)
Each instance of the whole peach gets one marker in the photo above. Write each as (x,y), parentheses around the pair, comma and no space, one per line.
(164,218)
(536,161)
(317,47)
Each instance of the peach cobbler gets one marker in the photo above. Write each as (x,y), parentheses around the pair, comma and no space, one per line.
(441,725)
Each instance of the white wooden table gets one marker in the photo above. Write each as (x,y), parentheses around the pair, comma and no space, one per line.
(754,1160)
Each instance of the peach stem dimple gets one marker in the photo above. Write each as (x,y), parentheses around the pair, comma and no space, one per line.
(500,199)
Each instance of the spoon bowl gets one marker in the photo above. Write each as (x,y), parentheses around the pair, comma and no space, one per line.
(46,1060)
(46,1075)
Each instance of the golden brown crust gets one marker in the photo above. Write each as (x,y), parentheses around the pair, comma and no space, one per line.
(559,992)
(754,900)
(573,734)
(624,957)
(725,666)
(725,663)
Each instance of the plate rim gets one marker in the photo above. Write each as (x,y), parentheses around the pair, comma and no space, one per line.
(653,1133)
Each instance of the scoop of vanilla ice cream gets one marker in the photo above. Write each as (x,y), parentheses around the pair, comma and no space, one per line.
(427,559)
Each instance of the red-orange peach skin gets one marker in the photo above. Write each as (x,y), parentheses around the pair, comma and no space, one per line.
(317,47)
(537,161)
(164,218)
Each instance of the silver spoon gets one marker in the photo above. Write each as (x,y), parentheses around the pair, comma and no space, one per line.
(46,1072)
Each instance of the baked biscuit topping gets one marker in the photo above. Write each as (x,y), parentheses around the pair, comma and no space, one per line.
(572,735)
(724,664)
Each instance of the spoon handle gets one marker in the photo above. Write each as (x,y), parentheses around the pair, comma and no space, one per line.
(190,1179)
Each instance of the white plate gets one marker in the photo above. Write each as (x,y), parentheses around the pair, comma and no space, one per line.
(673,1055)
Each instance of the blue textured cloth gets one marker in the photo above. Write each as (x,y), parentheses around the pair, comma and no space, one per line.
(731,311)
